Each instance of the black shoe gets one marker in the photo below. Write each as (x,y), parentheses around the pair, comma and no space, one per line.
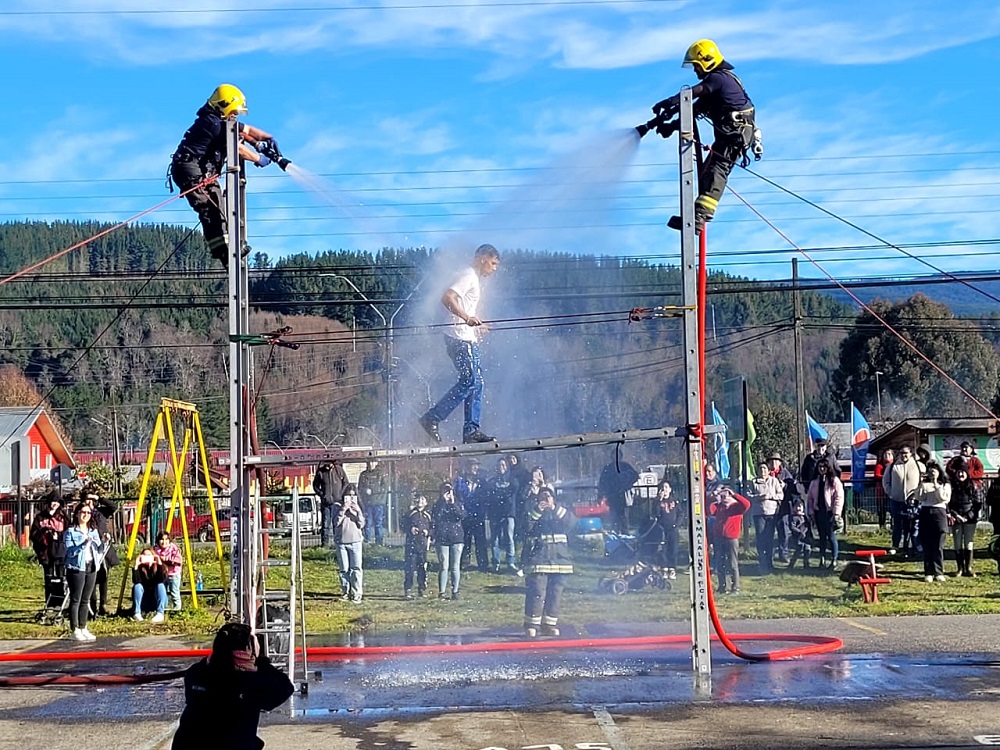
(431,428)
(675,223)
(454,596)
(408,595)
(478,436)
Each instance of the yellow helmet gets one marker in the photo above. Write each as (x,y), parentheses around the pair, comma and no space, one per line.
(703,56)
(228,100)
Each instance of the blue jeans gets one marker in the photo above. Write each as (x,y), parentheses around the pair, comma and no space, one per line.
(450,560)
(174,589)
(375,526)
(149,598)
(469,388)
(351,570)
(327,513)
(502,530)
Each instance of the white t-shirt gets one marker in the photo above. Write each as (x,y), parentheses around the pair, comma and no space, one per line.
(466,286)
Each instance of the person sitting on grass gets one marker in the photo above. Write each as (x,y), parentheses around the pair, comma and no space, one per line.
(149,589)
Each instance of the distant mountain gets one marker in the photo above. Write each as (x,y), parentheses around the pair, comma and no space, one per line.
(962,298)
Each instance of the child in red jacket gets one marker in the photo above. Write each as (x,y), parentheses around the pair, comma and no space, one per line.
(728,508)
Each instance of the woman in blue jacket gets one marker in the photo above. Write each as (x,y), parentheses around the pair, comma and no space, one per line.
(84,555)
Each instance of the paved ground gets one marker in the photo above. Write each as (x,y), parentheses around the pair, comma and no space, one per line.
(908,682)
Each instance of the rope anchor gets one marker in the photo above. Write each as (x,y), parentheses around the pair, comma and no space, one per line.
(663,311)
(265,339)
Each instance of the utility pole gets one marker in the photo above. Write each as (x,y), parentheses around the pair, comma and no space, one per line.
(116,481)
(800,393)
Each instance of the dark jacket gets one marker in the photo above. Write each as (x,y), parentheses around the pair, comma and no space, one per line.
(222,707)
(546,545)
(446,523)
(149,575)
(500,493)
(418,530)
(103,510)
(329,484)
(205,141)
(46,536)
(966,503)
(373,487)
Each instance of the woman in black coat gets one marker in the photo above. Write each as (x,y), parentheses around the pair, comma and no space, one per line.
(449,539)
(964,508)
(225,693)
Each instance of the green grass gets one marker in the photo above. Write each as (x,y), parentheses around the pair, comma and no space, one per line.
(495,602)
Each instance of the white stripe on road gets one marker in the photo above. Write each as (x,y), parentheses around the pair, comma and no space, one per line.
(860,626)
(158,742)
(611,730)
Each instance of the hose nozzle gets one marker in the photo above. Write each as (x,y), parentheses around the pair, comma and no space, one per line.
(283,163)
(664,126)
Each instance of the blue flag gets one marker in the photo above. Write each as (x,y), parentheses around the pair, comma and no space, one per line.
(815,431)
(721,445)
(861,433)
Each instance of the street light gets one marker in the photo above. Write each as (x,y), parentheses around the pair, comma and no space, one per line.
(878,394)
(314,437)
(375,437)
(271,442)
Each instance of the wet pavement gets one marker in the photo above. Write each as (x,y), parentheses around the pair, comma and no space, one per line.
(906,682)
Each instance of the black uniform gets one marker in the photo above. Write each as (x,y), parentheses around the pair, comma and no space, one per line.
(201,154)
(223,706)
(547,562)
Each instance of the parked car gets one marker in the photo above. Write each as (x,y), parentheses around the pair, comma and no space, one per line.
(201,527)
(308,514)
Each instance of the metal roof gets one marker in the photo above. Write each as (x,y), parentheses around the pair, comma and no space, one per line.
(17,421)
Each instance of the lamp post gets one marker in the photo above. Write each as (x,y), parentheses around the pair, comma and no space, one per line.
(314,437)
(375,437)
(878,394)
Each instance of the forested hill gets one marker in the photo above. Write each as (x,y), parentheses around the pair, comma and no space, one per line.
(140,314)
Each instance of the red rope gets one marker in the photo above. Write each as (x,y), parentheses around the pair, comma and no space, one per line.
(109,230)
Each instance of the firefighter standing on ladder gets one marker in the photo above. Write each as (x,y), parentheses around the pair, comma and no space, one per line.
(202,154)
(721,98)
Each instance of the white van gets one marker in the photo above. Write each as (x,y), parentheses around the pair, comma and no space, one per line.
(308,514)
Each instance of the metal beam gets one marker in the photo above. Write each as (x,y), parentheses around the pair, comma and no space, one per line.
(360,455)
(240,383)
(701,653)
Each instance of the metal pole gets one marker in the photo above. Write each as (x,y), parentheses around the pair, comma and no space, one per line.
(116,481)
(800,392)
(700,635)
(241,568)
(878,393)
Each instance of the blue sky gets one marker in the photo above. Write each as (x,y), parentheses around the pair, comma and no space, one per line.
(438,124)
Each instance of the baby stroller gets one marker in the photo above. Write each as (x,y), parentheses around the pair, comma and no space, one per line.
(639,572)
(51,553)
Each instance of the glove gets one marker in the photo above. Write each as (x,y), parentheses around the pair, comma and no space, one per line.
(668,107)
(667,129)
(263,161)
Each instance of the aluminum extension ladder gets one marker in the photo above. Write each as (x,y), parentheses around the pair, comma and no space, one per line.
(283,628)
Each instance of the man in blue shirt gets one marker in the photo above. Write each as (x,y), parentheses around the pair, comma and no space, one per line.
(719,97)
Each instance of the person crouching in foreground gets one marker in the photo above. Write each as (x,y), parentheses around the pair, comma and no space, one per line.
(224,694)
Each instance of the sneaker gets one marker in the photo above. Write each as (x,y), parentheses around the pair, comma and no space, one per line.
(672,574)
(495,568)
(157,618)
(431,428)
(477,436)
(77,635)
(940,577)
(88,635)
(408,595)
(929,579)
(443,595)
(734,592)
(517,571)
(356,600)
(454,596)
(137,617)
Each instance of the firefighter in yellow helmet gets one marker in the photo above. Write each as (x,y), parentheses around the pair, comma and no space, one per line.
(202,153)
(720,97)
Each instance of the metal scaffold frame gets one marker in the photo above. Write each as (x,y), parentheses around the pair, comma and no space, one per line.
(242,463)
